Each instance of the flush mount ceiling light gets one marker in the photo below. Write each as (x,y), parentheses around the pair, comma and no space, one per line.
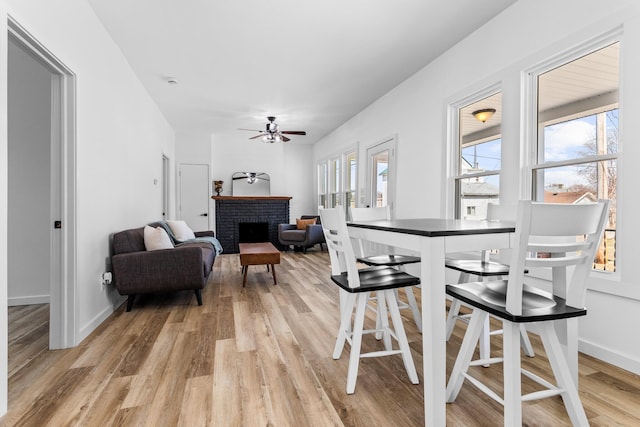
(484,114)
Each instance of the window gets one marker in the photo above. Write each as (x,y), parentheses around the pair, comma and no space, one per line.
(350,179)
(322,185)
(337,181)
(478,152)
(577,143)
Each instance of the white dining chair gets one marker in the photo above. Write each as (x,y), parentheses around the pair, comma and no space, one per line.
(355,287)
(385,256)
(562,238)
(484,269)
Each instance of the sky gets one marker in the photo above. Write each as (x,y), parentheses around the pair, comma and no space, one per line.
(563,141)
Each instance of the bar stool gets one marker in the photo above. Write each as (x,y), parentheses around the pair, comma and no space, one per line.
(356,285)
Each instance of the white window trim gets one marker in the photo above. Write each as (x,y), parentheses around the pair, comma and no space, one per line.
(453,144)
(530,134)
(341,155)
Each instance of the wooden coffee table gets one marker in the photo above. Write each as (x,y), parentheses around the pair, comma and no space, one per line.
(258,254)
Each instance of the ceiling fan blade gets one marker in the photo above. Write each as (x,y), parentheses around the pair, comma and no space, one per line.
(284,138)
(252,130)
(294,132)
(257,136)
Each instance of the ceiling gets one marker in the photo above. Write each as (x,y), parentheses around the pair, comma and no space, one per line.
(313,65)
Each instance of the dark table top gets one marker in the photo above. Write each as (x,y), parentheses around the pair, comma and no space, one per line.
(437,227)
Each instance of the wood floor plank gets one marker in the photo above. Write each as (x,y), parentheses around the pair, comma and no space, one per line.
(196,402)
(260,356)
(227,399)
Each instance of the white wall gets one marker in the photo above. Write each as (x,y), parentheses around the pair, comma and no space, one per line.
(121,136)
(193,148)
(288,165)
(522,36)
(29,179)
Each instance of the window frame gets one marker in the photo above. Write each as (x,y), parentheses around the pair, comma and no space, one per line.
(340,184)
(453,205)
(532,133)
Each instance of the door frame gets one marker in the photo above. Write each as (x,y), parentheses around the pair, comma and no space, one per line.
(63,309)
(390,144)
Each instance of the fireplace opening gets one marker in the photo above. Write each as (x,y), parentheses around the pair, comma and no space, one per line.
(253,232)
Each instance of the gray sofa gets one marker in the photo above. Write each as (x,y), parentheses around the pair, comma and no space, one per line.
(137,271)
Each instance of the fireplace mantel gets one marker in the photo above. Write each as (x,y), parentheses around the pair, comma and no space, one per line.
(231,211)
(251,197)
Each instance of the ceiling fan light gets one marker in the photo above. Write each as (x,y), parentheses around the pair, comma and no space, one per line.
(484,114)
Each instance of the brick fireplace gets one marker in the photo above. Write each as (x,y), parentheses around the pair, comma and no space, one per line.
(231,212)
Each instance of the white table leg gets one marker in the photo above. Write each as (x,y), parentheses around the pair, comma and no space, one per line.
(433,329)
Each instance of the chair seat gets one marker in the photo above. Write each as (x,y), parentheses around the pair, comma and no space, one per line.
(294,235)
(477,267)
(391,260)
(492,296)
(377,279)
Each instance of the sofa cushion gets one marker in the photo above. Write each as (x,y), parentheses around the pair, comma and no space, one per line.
(181,230)
(301,224)
(293,235)
(156,239)
(128,241)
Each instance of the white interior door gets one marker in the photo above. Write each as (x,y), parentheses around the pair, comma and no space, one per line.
(194,196)
(381,174)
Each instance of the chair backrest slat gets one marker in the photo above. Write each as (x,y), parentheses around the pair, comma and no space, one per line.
(339,245)
(562,237)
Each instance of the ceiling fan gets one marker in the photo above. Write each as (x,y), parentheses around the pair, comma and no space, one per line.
(273,134)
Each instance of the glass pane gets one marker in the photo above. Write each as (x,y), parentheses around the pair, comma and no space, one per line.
(350,182)
(381,169)
(322,185)
(577,107)
(481,157)
(585,183)
(480,135)
(334,175)
(591,135)
(475,194)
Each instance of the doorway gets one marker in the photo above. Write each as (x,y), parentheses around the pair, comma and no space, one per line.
(165,187)
(45,199)
(194,195)
(381,173)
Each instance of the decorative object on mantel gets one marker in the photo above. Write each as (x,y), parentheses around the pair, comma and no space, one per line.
(273,133)
(251,184)
(218,187)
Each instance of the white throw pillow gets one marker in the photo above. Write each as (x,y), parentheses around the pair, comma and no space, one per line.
(181,230)
(156,239)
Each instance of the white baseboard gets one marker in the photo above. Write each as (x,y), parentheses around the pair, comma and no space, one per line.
(36,299)
(624,361)
(94,323)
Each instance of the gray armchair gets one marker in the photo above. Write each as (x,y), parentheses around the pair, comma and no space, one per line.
(290,235)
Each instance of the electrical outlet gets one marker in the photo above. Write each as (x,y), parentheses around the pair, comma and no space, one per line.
(106,278)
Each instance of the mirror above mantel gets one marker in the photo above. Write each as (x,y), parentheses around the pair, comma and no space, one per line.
(250,184)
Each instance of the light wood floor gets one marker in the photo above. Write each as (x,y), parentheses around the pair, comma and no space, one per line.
(256,356)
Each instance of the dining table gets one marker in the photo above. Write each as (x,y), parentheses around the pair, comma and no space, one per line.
(432,238)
